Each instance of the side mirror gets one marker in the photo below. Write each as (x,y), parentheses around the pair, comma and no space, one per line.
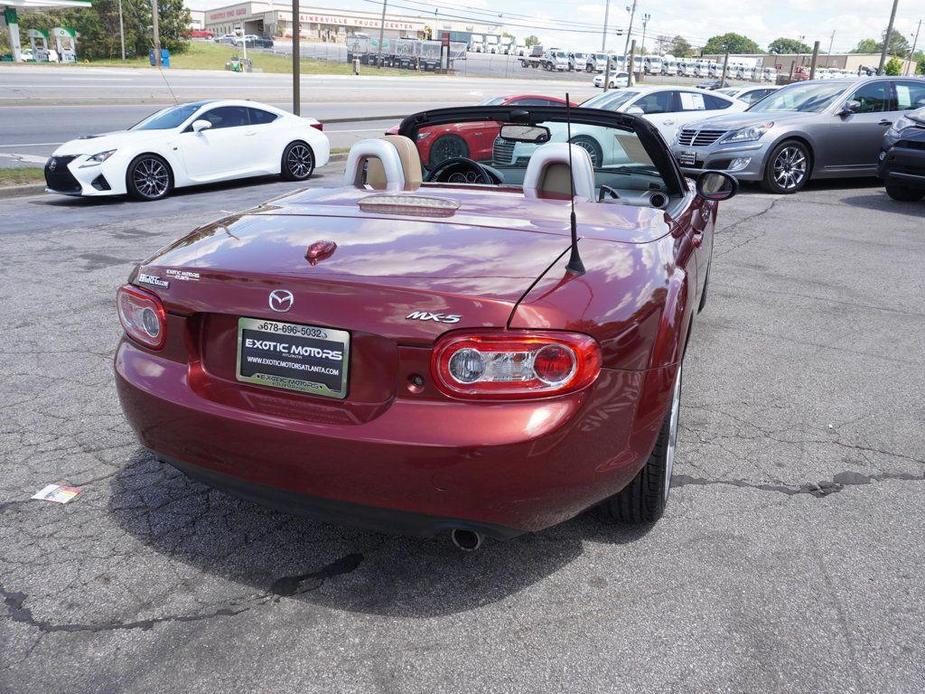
(852,106)
(716,185)
(200,125)
(635,110)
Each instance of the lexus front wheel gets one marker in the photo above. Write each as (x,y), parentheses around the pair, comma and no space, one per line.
(148,178)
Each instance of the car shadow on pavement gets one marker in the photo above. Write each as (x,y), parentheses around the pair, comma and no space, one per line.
(344,568)
(882,202)
(180,193)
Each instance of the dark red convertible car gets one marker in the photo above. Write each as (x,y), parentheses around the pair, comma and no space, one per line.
(435,349)
(472,139)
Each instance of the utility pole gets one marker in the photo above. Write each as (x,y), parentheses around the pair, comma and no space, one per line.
(812,67)
(381,32)
(157,34)
(604,38)
(296,60)
(629,32)
(642,50)
(630,75)
(121,30)
(886,39)
(725,66)
(915,43)
(828,59)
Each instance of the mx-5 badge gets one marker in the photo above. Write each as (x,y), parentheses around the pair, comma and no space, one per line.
(438,317)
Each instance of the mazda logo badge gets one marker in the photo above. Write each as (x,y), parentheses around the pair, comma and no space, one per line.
(53,165)
(281,300)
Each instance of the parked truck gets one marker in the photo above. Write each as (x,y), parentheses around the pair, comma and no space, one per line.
(410,54)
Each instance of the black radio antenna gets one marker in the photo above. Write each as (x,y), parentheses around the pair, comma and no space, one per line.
(574,266)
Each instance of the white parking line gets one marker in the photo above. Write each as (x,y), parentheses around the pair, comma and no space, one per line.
(27,158)
(31,144)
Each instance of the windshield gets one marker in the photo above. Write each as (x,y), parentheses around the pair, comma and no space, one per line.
(804,98)
(618,156)
(167,118)
(493,101)
(610,101)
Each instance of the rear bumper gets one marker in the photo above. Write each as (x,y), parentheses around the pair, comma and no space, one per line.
(335,511)
(420,466)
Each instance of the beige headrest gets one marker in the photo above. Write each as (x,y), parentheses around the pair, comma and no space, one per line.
(408,160)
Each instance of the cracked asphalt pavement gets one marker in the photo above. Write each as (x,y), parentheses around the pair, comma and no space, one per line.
(791,557)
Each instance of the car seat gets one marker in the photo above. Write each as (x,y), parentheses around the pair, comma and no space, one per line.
(547,174)
(388,163)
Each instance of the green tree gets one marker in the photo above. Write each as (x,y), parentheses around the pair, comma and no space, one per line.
(893,66)
(731,43)
(866,46)
(898,44)
(785,45)
(531,41)
(98,26)
(680,47)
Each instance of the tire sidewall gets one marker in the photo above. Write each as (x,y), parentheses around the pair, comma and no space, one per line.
(904,194)
(130,188)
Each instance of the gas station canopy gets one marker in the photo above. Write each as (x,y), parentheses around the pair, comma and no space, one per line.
(43,4)
(8,15)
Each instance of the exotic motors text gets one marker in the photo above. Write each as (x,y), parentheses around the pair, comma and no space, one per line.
(295,350)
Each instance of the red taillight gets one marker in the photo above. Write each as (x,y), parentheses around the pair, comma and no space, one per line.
(513,365)
(142,316)
(318,126)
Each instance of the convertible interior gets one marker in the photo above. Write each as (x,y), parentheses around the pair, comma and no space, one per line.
(609,165)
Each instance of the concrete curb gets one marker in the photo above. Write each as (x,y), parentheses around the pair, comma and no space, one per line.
(37,188)
(21,191)
(361,119)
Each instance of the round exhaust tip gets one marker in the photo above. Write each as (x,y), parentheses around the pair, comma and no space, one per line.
(466,540)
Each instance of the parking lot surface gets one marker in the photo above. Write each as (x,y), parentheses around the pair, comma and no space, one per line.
(791,557)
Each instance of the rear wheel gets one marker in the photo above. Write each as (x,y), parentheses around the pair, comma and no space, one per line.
(591,146)
(787,169)
(447,147)
(298,161)
(904,194)
(643,500)
(148,177)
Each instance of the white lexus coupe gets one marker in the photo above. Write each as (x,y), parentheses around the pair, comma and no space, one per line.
(186,145)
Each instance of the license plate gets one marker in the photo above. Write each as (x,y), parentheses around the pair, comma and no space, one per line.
(305,358)
(687,158)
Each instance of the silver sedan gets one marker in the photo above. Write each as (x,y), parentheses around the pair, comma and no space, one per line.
(807,130)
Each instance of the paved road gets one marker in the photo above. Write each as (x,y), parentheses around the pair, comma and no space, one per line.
(41,107)
(32,85)
(791,557)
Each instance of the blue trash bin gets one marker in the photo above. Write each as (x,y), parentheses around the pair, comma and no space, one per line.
(165,57)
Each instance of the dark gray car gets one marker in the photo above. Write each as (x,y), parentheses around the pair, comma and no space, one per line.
(807,130)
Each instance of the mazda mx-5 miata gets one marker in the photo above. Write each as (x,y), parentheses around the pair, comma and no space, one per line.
(189,144)
(429,350)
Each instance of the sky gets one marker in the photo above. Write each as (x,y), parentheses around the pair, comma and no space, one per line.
(696,20)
